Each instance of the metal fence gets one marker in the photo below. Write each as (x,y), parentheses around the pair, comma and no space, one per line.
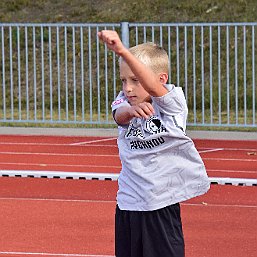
(61,73)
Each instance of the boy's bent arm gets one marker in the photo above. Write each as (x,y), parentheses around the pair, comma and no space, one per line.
(124,114)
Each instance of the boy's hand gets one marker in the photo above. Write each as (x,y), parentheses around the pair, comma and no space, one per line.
(142,110)
(124,114)
(112,40)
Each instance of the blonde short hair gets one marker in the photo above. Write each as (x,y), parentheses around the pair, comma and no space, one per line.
(152,55)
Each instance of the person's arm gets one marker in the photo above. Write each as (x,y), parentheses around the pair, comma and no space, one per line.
(148,79)
(124,114)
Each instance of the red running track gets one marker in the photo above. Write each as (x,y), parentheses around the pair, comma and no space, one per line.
(94,154)
(55,217)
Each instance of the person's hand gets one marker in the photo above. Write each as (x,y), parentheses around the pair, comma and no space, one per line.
(112,40)
(142,110)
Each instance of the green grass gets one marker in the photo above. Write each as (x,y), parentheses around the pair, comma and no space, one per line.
(130,10)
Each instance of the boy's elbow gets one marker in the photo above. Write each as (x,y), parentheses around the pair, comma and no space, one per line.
(121,121)
(121,116)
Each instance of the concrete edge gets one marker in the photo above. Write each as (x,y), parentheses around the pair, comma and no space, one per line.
(222,135)
(113,132)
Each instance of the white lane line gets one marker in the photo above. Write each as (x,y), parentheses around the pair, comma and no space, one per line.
(211,150)
(56,200)
(39,144)
(94,141)
(54,254)
(89,144)
(230,149)
(60,165)
(203,204)
(231,160)
(49,144)
(233,171)
(117,155)
(60,154)
(111,167)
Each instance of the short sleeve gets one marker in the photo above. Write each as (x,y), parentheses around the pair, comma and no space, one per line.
(173,102)
(173,105)
(120,100)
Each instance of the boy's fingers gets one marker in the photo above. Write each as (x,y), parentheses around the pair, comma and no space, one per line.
(141,114)
(112,40)
(147,108)
(107,35)
(142,111)
(147,111)
(138,112)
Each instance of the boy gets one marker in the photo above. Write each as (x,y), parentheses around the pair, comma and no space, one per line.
(160,165)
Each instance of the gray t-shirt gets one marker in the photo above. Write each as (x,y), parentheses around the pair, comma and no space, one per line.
(160,164)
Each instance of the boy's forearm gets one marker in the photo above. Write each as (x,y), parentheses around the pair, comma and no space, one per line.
(122,115)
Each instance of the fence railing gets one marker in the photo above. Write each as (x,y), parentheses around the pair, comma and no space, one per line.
(61,73)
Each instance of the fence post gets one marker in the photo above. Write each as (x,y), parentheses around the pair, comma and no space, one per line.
(125,33)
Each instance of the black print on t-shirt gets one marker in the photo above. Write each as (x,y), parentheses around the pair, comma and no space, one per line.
(146,144)
(134,132)
(154,126)
(141,129)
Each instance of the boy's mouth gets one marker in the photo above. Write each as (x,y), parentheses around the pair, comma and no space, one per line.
(131,97)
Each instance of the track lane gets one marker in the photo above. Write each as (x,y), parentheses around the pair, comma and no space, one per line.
(67,217)
(100,154)
(223,219)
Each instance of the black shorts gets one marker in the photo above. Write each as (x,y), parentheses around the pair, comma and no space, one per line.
(149,233)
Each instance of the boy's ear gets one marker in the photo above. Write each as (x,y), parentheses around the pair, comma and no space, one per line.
(164,78)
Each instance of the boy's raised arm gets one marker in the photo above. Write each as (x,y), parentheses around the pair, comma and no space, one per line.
(148,79)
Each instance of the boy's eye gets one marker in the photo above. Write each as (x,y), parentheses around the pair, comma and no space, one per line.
(133,80)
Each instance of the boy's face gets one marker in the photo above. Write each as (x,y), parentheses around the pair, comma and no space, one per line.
(131,87)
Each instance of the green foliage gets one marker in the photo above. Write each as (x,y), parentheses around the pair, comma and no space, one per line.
(130,10)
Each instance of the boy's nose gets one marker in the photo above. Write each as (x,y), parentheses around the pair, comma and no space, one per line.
(127,87)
